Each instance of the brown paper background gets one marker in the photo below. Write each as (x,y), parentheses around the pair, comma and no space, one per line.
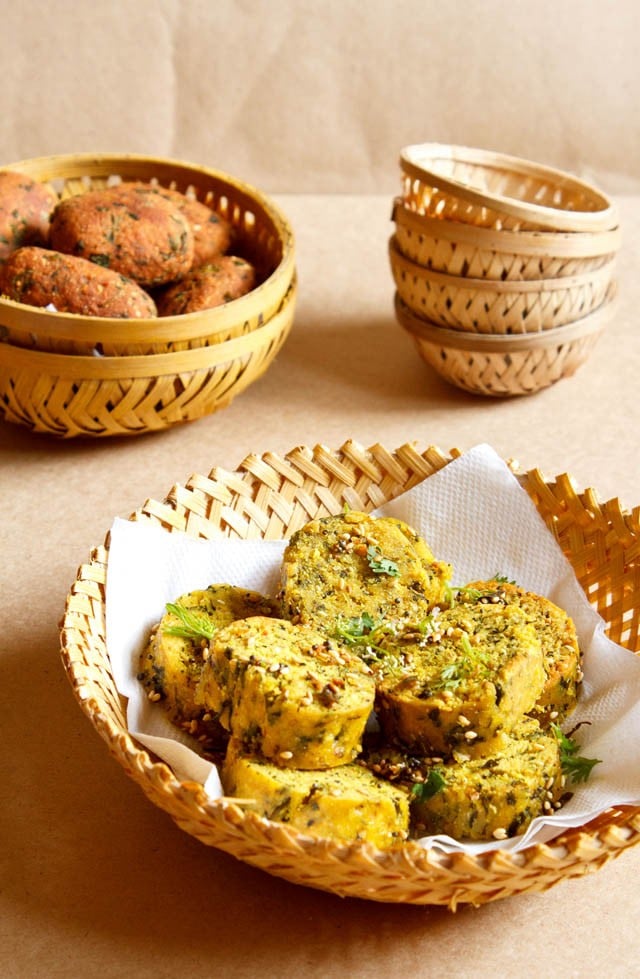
(306,96)
(311,102)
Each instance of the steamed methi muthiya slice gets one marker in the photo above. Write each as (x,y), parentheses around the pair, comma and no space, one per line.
(288,692)
(336,568)
(490,796)
(419,544)
(171,664)
(346,804)
(470,676)
(560,649)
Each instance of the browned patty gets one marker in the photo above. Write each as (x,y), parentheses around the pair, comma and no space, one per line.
(25,210)
(212,234)
(213,284)
(38,277)
(130,229)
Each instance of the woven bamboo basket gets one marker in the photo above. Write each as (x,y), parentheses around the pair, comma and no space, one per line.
(73,395)
(494,190)
(488,306)
(270,496)
(508,365)
(483,253)
(261,234)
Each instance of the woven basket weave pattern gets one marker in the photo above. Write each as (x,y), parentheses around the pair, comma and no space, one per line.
(76,375)
(506,374)
(485,306)
(495,365)
(101,396)
(261,233)
(478,259)
(271,496)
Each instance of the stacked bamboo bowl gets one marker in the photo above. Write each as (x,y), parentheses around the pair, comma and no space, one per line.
(504,269)
(69,375)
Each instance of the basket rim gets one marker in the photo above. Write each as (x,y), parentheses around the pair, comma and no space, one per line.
(503,343)
(469,880)
(556,244)
(414,161)
(149,365)
(519,286)
(188,326)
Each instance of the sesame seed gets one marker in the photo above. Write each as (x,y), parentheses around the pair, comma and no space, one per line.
(500,833)
(286,755)
(463,721)
(470,735)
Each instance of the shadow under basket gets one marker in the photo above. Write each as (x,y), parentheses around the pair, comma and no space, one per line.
(505,365)
(66,395)
(270,497)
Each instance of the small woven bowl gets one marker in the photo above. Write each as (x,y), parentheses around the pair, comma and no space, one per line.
(494,190)
(72,395)
(490,306)
(483,253)
(261,233)
(504,366)
(270,497)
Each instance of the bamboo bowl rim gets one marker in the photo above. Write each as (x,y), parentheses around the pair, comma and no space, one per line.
(270,496)
(149,365)
(185,327)
(501,286)
(419,161)
(557,244)
(504,343)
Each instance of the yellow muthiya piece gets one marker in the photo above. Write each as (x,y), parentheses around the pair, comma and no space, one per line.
(337,568)
(471,675)
(492,796)
(345,804)
(560,649)
(171,665)
(288,692)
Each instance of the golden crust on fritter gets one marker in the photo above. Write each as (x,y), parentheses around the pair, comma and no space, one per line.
(213,284)
(212,234)
(39,277)
(25,211)
(128,228)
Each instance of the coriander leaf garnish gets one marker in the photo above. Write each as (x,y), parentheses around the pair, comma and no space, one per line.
(364,632)
(359,626)
(461,591)
(193,625)
(380,564)
(472,659)
(503,580)
(575,766)
(433,784)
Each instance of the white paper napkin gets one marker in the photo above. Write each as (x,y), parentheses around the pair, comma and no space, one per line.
(473,514)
